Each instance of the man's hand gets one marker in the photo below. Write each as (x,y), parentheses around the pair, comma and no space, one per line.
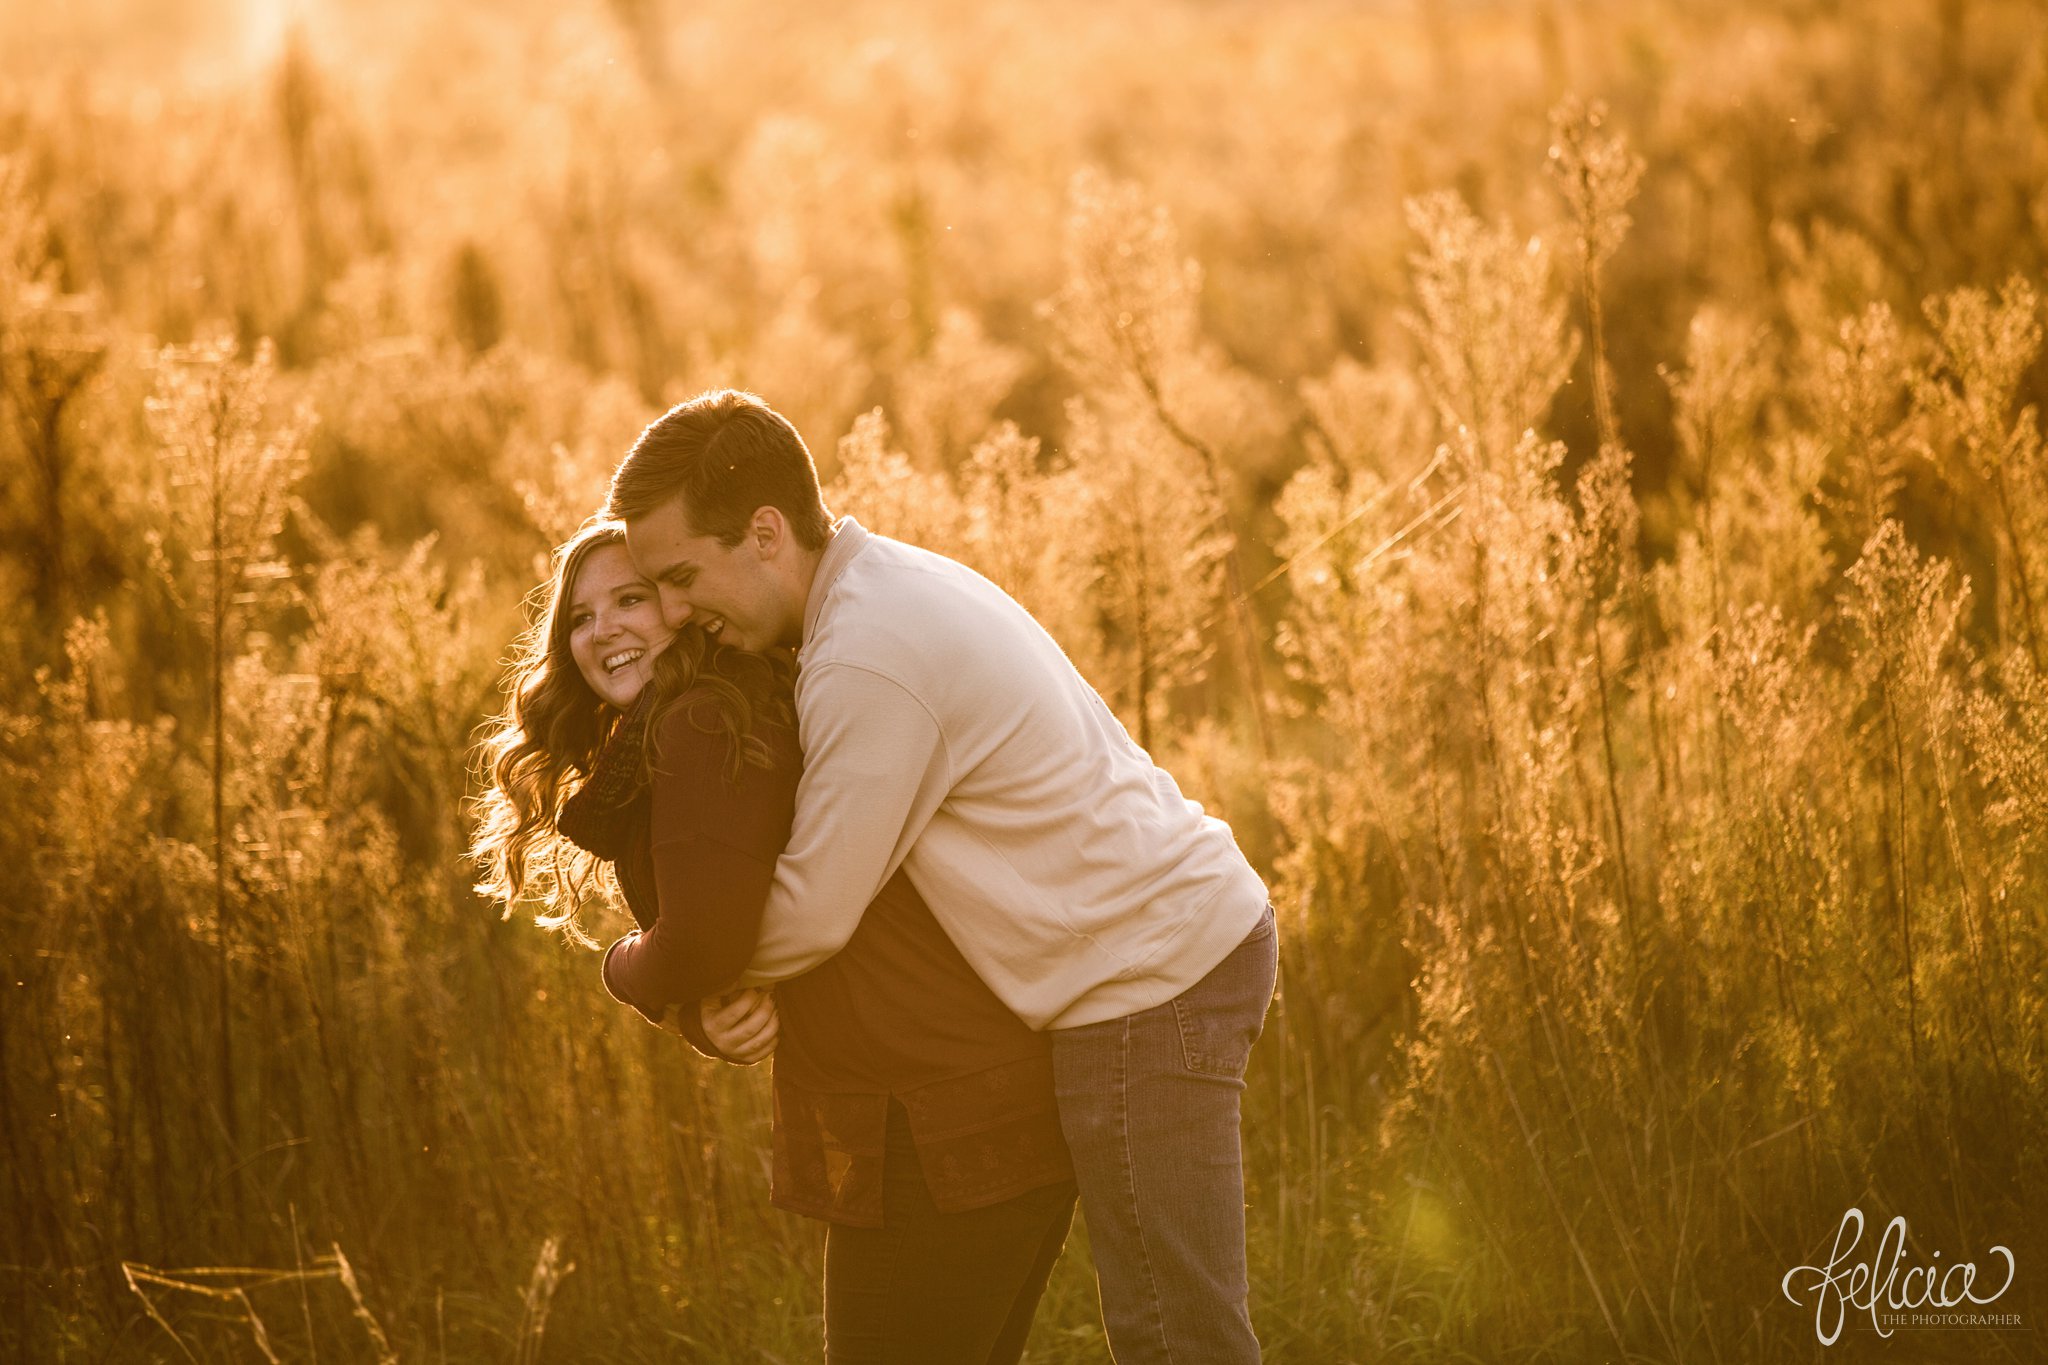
(742,1024)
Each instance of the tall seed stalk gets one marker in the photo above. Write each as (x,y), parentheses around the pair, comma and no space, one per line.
(1598,175)
(1127,325)
(230,461)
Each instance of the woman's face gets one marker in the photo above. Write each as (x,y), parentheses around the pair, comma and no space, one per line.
(615,627)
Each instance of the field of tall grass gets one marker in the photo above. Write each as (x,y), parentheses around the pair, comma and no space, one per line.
(1564,478)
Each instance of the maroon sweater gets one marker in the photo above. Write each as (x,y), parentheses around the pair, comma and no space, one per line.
(896,1015)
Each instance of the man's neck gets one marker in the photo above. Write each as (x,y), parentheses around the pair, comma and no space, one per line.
(804,578)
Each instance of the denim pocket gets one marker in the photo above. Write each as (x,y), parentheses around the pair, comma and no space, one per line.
(1222,1015)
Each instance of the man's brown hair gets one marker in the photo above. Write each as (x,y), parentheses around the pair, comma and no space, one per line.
(727,453)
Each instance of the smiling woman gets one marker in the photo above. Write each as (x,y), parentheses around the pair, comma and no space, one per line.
(597,644)
(615,626)
(553,724)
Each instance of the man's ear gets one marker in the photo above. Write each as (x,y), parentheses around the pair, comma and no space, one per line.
(769,530)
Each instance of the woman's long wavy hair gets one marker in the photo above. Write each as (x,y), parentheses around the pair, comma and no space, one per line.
(546,743)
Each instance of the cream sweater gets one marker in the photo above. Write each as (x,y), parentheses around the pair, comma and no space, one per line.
(944,731)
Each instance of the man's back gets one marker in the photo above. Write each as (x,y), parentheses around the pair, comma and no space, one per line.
(1068,867)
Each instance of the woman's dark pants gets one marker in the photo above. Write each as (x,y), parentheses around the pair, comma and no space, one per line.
(932,1288)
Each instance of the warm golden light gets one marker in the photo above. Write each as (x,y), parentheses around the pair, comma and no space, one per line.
(1563,480)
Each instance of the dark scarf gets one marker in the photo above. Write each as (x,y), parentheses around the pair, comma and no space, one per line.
(608,815)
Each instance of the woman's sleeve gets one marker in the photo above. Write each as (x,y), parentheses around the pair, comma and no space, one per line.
(686,1018)
(714,846)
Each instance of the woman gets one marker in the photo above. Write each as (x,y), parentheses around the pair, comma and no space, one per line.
(914,1114)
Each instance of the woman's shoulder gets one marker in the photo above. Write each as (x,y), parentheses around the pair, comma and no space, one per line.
(697,714)
(706,719)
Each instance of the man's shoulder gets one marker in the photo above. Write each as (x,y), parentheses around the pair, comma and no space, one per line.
(911,616)
(888,573)
(888,557)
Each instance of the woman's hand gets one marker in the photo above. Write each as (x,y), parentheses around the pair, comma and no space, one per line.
(742,1024)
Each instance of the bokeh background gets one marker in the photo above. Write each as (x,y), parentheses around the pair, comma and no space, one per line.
(1562,477)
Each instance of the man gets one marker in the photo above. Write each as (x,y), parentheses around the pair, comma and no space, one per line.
(944,731)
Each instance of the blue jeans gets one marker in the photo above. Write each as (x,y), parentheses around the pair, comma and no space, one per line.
(1149,1105)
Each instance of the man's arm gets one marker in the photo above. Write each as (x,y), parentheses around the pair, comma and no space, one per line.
(875,771)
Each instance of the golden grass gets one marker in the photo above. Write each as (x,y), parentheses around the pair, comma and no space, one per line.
(1564,481)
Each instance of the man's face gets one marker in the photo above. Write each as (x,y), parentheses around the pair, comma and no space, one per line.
(733,593)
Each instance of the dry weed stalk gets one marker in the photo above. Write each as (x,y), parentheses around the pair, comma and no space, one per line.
(229,461)
(233,1285)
